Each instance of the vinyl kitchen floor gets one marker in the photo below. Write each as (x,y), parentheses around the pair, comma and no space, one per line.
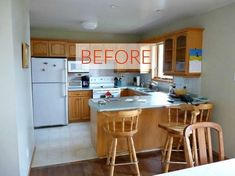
(57,145)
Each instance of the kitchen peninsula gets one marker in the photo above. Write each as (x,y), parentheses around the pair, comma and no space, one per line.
(148,137)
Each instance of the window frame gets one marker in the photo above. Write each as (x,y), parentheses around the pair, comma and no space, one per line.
(156,77)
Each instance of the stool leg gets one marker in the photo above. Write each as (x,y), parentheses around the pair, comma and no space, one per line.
(129,149)
(168,156)
(179,143)
(165,149)
(109,153)
(134,156)
(113,156)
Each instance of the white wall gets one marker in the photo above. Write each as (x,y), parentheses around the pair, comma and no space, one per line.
(217,82)
(16,127)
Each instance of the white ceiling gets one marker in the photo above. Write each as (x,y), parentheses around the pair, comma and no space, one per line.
(130,16)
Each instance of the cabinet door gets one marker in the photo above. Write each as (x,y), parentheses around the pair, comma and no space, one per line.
(39,48)
(181,55)
(58,49)
(75,104)
(85,108)
(79,109)
(168,55)
(72,51)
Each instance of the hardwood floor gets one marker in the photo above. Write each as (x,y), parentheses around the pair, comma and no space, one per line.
(149,164)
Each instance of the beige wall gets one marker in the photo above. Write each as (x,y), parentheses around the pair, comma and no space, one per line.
(24,109)
(16,120)
(218,65)
(83,36)
(8,126)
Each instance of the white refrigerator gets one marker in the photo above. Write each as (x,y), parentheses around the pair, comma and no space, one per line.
(49,83)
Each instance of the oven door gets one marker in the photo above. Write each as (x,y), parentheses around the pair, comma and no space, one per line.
(98,93)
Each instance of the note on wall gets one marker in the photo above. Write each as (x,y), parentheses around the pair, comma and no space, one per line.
(195,60)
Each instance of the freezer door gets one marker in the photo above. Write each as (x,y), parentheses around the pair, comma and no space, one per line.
(50,104)
(49,70)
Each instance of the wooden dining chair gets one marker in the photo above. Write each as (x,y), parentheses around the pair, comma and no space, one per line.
(122,124)
(198,151)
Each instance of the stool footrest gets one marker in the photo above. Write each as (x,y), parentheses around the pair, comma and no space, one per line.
(121,164)
(175,162)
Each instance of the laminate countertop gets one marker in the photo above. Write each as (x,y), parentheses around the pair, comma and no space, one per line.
(155,100)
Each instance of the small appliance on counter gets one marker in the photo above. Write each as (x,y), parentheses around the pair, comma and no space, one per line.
(136,81)
(85,81)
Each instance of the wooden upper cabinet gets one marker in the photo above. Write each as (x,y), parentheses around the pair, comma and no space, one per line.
(182,53)
(39,48)
(169,46)
(58,49)
(71,51)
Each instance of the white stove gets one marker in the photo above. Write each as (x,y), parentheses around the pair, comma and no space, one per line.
(102,85)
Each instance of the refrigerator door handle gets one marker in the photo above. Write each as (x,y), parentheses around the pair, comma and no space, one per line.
(65,90)
(65,70)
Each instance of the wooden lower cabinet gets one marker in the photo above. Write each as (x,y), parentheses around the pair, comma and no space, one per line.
(78,105)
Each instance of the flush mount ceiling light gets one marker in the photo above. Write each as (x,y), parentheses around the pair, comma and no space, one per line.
(113,6)
(89,25)
(158,11)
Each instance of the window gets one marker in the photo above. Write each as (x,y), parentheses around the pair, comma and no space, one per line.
(157,65)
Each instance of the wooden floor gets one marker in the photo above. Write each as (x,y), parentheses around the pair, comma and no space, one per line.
(149,164)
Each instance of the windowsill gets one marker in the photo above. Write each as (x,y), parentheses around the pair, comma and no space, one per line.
(163,80)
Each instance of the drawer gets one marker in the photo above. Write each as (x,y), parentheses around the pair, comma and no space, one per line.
(80,93)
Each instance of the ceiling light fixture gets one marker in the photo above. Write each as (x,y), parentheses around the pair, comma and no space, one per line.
(89,25)
(113,6)
(158,11)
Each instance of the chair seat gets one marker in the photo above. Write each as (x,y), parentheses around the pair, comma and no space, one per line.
(172,127)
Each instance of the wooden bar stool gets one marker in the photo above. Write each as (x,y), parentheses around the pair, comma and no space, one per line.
(122,124)
(179,117)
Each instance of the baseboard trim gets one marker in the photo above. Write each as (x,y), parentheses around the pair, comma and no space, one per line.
(31,162)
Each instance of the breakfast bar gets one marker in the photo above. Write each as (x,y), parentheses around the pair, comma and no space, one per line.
(149,135)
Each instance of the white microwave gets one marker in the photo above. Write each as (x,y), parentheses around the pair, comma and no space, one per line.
(77,67)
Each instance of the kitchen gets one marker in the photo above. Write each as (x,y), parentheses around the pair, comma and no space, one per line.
(57,121)
(94,81)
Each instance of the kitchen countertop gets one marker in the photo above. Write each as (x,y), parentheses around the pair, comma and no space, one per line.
(149,100)
(135,88)
(76,88)
(155,100)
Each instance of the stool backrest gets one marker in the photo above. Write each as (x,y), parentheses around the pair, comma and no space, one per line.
(122,121)
(180,113)
(201,150)
(205,112)
(183,113)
